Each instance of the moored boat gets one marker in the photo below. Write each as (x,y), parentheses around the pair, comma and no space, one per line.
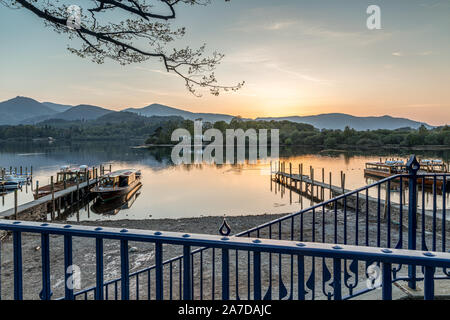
(381,170)
(114,206)
(9,185)
(67,177)
(117,184)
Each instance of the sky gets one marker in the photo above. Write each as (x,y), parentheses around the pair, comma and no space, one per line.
(297,57)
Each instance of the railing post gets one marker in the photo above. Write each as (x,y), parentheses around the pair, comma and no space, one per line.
(413,166)
(99,269)
(257,275)
(46,292)
(187,281)
(387,281)
(429,283)
(337,280)
(159,270)
(17,243)
(68,265)
(225,275)
(125,270)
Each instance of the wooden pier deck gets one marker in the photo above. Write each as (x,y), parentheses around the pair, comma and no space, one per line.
(320,191)
(55,199)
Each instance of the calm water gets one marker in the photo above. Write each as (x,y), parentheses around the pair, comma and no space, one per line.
(170,191)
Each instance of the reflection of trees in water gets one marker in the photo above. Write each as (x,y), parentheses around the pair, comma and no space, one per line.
(91,152)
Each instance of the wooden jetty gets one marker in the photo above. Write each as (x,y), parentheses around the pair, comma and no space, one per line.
(55,200)
(381,170)
(319,191)
(305,185)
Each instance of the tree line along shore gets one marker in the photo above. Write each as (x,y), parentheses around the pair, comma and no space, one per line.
(157,130)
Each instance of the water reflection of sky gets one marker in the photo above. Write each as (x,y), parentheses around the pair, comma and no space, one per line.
(187,190)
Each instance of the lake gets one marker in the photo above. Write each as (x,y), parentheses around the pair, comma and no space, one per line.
(177,191)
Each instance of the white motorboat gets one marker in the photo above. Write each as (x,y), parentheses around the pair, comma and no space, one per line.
(16,178)
(9,185)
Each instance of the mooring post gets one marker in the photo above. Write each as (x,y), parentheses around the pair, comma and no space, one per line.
(290,174)
(31,171)
(331,186)
(20,170)
(15,204)
(78,186)
(37,189)
(323,184)
(270,172)
(87,173)
(53,196)
(301,176)
(413,166)
(343,182)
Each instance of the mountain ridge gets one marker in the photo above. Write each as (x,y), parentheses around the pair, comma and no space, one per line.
(23,110)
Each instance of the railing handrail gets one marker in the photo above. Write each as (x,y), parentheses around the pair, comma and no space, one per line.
(337,198)
(284,218)
(311,249)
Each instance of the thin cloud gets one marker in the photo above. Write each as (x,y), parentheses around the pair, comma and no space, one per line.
(156,71)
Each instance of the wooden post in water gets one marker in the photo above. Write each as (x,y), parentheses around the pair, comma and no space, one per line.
(31,171)
(15,204)
(323,183)
(37,189)
(331,186)
(343,182)
(271,172)
(87,179)
(301,176)
(290,174)
(110,168)
(78,186)
(20,170)
(386,202)
(53,197)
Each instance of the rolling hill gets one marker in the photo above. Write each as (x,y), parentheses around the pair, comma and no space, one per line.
(22,110)
(81,112)
(340,121)
(162,110)
(18,109)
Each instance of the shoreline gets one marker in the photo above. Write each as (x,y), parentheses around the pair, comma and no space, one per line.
(203,225)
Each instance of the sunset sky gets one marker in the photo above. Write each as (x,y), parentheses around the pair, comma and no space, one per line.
(298,57)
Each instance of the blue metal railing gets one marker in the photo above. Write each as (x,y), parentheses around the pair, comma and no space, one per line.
(359,217)
(295,252)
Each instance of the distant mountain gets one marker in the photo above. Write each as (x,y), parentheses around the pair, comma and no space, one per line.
(126,116)
(22,110)
(162,110)
(341,120)
(57,107)
(16,110)
(81,112)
